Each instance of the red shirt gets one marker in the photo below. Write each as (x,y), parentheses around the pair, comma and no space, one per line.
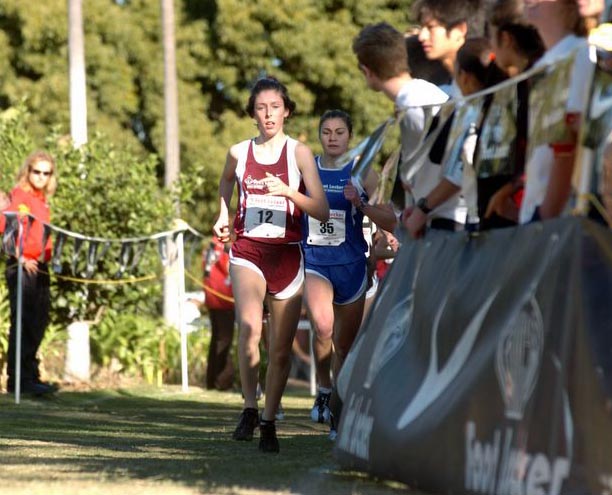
(217,286)
(35,203)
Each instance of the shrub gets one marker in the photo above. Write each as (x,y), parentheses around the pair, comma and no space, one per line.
(111,193)
(147,347)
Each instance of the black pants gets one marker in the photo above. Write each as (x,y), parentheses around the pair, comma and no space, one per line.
(220,368)
(35,307)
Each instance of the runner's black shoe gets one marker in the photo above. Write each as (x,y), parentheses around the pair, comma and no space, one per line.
(320,410)
(267,439)
(249,420)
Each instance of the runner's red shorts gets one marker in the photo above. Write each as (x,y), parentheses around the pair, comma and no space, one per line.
(280,265)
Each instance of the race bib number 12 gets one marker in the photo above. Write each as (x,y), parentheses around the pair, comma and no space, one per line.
(266,216)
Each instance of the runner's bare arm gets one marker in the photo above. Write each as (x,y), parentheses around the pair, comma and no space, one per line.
(226,190)
(315,203)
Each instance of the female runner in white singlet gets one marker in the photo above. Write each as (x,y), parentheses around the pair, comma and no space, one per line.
(273,173)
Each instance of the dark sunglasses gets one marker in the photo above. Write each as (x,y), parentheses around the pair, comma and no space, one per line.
(40,172)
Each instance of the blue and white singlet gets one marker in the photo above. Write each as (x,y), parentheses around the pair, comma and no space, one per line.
(339,240)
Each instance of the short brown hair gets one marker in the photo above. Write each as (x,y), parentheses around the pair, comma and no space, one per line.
(382,49)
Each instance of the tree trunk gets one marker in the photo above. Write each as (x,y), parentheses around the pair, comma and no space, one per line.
(170,95)
(171,279)
(76,55)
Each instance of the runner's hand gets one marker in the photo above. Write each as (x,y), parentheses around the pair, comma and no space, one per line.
(352,194)
(276,187)
(222,230)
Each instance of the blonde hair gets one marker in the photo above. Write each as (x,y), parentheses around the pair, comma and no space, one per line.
(28,164)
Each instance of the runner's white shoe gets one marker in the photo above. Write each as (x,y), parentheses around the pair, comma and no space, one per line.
(320,410)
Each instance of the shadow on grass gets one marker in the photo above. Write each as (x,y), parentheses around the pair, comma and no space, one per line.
(161,434)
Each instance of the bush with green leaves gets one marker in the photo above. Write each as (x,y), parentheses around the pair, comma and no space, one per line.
(146,347)
(103,192)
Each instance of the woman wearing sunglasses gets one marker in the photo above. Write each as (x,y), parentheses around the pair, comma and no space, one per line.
(36,181)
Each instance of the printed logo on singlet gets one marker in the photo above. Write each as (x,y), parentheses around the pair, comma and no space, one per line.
(255,184)
(333,188)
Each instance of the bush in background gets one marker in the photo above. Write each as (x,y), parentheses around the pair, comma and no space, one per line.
(112,193)
(147,348)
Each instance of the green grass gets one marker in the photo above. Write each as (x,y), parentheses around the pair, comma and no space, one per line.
(162,441)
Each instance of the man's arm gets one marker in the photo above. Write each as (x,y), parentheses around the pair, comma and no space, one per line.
(415,219)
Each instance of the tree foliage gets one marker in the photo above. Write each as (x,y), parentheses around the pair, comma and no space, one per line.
(222,47)
(112,187)
(106,192)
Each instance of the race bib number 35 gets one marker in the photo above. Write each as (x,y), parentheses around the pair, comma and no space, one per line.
(266,216)
(330,233)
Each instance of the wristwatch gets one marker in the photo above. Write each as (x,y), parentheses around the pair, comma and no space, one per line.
(422,205)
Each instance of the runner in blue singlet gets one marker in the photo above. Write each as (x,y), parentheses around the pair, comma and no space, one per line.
(335,258)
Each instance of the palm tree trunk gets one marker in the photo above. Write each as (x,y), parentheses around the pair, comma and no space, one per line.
(170,95)
(76,55)
(172,280)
